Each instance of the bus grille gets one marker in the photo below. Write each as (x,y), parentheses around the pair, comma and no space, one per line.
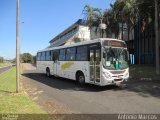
(117,72)
(117,79)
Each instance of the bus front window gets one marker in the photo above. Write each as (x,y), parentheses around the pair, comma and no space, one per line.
(115,58)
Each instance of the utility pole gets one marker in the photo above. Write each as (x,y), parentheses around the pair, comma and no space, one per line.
(156,40)
(17,49)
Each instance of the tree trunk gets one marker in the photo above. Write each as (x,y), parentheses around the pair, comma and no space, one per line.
(128,27)
(122,30)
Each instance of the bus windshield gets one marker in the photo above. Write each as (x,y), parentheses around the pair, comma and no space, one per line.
(115,58)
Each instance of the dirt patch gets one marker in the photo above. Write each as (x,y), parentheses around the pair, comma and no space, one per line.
(27,66)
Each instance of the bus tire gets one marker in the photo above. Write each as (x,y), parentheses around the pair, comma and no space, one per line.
(80,78)
(48,72)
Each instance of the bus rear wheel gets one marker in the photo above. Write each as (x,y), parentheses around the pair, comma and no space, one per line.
(48,72)
(80,78)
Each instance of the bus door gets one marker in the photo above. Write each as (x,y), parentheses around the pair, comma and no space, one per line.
(55,61)
(95,54)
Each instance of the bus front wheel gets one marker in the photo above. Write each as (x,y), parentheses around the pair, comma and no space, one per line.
(80,78)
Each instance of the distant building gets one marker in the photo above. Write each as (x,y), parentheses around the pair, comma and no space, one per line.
(80,31)
(77,32)
(144,44)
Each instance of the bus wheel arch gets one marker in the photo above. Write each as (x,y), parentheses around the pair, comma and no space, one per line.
(48,73)
(80,78)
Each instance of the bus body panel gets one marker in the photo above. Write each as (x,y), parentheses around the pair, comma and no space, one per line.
(68,69)
(42,65)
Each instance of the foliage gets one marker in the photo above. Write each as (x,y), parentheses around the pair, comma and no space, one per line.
(27,58)
(122,11)
(94,17)
(13,60)
(34,60)
(91,15)
(1,60)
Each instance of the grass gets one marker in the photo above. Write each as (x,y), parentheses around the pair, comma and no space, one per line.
(18,104)
(4,64)
(143,72)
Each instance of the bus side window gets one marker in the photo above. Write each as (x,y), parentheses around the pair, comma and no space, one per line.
(81,53)
(48,55)
(39,56)
(43,56)
(70,53)
(62,55)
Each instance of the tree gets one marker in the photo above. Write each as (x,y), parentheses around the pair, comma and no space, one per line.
(27,58)
(1,59)
(145,12)
(99,17)
(34,60)
(113,18)
(111,22)
(13,61)
(92,15)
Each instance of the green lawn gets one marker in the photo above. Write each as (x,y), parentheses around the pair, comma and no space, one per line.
(19,104)
(143,71)
(3,64)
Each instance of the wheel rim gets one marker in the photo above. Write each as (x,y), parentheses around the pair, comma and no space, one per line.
(81,79)
(48,74)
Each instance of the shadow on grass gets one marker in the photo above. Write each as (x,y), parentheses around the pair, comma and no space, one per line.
(4,92)
(142,88)
(9,93)
(143,72)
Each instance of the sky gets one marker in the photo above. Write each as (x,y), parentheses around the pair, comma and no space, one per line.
(40,21)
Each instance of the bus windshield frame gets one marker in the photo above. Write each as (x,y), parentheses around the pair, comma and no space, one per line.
(115,58)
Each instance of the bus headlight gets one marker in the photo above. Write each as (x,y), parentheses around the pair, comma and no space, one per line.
(126,74)
(107,75)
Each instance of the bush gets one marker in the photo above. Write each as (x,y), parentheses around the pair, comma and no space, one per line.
(26,58)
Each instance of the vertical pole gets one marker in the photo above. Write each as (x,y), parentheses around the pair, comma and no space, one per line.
(17,49)
(156,40)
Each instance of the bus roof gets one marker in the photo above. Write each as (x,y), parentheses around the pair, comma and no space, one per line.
(80,43)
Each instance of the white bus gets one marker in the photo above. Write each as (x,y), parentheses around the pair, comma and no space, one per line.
(102,61)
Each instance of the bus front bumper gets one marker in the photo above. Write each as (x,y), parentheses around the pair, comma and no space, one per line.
(113,81)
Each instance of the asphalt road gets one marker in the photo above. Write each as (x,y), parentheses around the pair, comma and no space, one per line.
(4,69)
(134,96)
